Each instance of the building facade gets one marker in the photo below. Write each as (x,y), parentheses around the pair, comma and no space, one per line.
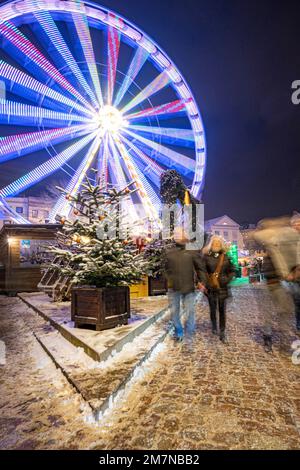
(35,209)
(226,228)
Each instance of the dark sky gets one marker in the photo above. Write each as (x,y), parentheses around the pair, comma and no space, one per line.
(239,58)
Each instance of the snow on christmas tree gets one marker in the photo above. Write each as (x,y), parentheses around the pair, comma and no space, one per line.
(173,191)
(94,244)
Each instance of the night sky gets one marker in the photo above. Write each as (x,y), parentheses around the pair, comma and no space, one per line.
(240,58)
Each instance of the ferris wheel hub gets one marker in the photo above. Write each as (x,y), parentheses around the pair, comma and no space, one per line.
(130,114)
(110,119)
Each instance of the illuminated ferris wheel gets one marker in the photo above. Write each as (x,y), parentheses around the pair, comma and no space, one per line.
(86,89)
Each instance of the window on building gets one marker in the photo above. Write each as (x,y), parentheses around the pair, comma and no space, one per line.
(217,232)
(35,213)
(225,234)
(19,210)
(46,214)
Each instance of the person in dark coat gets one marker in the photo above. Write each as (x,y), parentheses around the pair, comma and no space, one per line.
(184,270)
(294,279)
(294,275)
(273,283)
(219,271)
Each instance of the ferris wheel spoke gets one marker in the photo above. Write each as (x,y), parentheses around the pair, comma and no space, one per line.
(24,85)
(117,172)
(169,157)
(118,176)
(140,172)
(160,82)
(64,56)
(174,107)
(27,54)
(16,146)
(84,35)
(55,88)
(113,48)
(43,171)
(103,162)
(150,168)
(135,66)
(181,137)
(26,115)
(130,167)
(62,207)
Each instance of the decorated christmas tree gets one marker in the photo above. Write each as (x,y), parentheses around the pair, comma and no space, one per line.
(94,244)
(174,191)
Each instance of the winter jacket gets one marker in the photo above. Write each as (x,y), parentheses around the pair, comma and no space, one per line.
(227,272)
(283,245)
(184,268)
(269,270)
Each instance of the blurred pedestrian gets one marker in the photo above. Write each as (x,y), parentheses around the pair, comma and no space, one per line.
(219,271)
(273,283)
(294,278)
(280,237)
(184,270)
(294,274)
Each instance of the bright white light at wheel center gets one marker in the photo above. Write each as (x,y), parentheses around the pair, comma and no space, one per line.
(110,119)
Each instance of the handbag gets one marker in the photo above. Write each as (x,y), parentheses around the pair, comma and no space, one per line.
(213,278)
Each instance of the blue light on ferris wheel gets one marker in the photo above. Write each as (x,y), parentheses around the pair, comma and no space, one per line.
(90,102)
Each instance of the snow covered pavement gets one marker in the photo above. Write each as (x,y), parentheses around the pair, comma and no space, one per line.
(195,395)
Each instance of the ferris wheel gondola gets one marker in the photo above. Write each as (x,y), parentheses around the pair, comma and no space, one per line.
(88,89)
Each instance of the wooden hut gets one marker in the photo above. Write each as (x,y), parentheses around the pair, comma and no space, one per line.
(21,250)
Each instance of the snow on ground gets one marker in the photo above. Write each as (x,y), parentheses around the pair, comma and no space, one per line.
(195,395)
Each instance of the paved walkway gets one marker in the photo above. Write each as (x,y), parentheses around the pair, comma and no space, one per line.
(199,395)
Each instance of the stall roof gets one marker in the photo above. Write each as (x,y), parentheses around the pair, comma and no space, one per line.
(15,229)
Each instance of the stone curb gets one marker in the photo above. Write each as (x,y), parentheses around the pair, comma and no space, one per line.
(122,386)
(58,366)
(95,355)
(99,411)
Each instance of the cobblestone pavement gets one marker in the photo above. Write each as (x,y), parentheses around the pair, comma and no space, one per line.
(199,394)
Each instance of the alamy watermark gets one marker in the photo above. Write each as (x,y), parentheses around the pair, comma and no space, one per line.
(296,92)
(296,353)
(2,353)
(176,222)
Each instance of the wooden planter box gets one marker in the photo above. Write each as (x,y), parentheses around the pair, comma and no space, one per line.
(158,285)
(105,307)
